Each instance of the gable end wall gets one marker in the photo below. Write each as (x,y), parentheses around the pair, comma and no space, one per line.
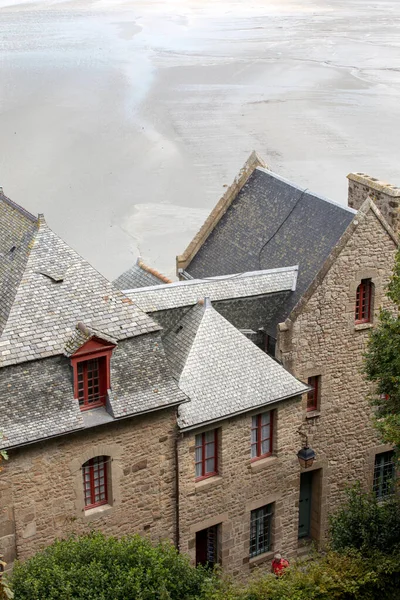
(323,340)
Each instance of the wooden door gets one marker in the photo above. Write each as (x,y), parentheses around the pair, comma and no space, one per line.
(305,504)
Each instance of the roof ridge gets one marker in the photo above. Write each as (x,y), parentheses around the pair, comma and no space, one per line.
(215,279)
(254,161)
(300,189)
(152,271)
(13,204)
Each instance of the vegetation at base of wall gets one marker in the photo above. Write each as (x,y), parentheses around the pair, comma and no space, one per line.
(363,563)
(96,567)
(332,576)
(366,524)
(382,364)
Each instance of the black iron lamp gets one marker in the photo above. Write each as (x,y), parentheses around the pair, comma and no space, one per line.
(306,455)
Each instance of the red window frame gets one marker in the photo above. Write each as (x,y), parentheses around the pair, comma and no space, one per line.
(260,438)
(93,471)
(363,302)
(313,394)
(201,443)
(93,350)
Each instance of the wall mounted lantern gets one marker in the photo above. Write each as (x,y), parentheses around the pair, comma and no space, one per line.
(306,455)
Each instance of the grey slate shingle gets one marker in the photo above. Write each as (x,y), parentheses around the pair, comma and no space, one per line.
(272,223)
(137,276)
(17,229)
(220,370)
(47,289)
(44,312)
(240,285)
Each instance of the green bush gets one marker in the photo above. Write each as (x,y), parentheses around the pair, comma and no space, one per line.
(96,567)
(333,576)
(366,524)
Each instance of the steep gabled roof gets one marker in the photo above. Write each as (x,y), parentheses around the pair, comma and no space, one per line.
(50,289)
(367,206)
(17,229)
(220,370)
(239,285)
(270,223)
(140,275)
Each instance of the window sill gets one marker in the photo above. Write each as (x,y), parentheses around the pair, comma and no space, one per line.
(206,484)
(313,414)
(262,463)
(261,558)
(97,512)
(362,326)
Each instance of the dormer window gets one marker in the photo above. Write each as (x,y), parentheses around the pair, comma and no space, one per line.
(364,297)
(91,369)
(92,382)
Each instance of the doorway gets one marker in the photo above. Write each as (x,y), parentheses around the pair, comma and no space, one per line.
(310,501)
(207,546)
(305,505)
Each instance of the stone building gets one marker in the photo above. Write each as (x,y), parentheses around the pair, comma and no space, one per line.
(319,332)
(90,392)
(87,406)
(176,409)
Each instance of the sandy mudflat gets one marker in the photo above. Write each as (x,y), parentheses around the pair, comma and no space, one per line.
(123,121)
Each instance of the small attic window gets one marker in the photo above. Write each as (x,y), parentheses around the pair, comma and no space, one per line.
(178,329)
(91,370)
(92,382)
(12,249)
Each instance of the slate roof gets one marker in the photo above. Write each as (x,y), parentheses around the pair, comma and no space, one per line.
(240,285)
(52,289)
(52,302)
(83,334)
(139,275)
(272,223)
(220,370)
(17,229)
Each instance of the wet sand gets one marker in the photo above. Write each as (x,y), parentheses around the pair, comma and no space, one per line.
(121,122)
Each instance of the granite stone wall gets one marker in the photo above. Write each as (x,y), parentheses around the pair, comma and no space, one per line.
(322,339)
(241,486)
(385,196)
(41,490)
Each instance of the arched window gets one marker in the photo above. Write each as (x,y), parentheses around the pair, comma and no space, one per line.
(364,298)
(95,481)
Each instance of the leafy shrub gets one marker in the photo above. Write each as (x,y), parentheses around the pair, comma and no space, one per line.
(333,576)
(366,524)
(96,567)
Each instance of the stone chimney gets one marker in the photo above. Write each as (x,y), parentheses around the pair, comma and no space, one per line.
(385,196)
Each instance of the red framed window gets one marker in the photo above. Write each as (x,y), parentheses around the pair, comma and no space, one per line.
(313,394)
(363,302)
(91,365)
(92,390)
(206,454)
(261,435)
(95,481)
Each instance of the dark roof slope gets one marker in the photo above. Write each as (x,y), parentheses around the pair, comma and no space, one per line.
(272,223)
(17,228)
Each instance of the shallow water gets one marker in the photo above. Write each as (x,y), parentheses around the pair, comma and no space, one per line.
(123,121)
